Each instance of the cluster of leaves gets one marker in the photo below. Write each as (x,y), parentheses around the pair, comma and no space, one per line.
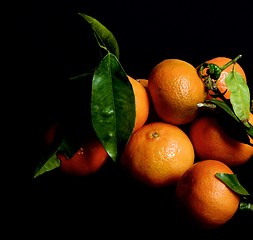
(112,107)
(112,103)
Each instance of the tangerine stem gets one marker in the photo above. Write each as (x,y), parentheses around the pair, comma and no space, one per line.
(233,61)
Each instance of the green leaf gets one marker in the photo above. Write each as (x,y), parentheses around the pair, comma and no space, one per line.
(112,105)
(50,164)
(233,183)
(49,161)
(231,180)
(240,95)
(105,38)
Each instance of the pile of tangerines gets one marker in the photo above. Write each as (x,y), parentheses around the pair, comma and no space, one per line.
(177,139)
(175,142)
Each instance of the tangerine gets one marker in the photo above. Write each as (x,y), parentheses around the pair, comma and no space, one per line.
(152,114)
(203,198)
(142,103)
(87,160)
(175,90)
(210,141)
(158,154)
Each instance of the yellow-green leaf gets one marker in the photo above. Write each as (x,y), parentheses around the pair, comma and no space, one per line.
(240,95)
(51,163)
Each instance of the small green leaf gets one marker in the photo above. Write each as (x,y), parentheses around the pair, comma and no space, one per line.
(50,164)
(104,37)
(112,105)
(240,95)
(49,161)
(232,182)
(68,142)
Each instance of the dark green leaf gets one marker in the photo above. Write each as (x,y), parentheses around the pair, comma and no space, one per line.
(112,105)
(249,129)
(240,95)
(232,182)
(230,123)
(227,108)
(104,37)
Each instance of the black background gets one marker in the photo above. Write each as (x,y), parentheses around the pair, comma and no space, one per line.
(51,43)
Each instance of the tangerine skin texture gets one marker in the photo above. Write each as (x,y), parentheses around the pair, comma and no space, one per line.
(175,89)
(210,141)
(142,103)
(158,154)
(205,199)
